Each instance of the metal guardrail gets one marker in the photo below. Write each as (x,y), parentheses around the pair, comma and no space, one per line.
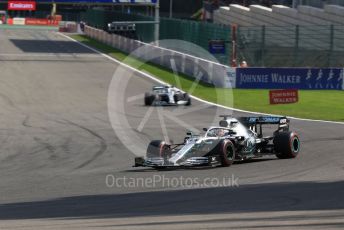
(196,67)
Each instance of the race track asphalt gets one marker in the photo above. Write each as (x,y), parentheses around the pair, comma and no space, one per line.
(58,147)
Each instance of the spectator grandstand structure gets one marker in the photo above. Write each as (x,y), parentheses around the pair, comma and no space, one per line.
(295,37)
(279,15)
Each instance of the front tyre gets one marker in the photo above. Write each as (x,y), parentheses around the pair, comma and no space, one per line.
(227,153)
(149,99)
(178,97)
(187,98)
(157,148)
(287,145)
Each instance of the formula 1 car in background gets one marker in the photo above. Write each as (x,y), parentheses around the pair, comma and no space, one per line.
(166,95)
(233,140)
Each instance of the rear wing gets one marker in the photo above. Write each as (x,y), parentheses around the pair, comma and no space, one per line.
(253,122)
(265,120)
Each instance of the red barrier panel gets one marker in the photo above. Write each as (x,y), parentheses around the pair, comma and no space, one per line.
(285,96)
(9,21)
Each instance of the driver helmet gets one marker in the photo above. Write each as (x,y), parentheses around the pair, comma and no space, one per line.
(220,132)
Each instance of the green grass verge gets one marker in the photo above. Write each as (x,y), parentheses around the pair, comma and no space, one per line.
(317,104)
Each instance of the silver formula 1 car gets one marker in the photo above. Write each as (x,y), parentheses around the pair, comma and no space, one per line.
(235,139)
(166,95)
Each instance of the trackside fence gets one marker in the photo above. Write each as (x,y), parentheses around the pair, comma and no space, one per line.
(202,70)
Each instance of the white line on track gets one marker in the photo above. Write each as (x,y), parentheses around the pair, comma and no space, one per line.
(145,119)
(196,98)
(175,73)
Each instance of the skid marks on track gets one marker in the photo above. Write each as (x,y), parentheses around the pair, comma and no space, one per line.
(102,143)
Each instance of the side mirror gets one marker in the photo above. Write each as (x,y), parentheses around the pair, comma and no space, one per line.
(205,129)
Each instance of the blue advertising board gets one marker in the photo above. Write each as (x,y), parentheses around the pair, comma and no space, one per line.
(290,78)
(217,46)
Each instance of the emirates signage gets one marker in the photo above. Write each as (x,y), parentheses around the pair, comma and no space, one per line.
(21,5)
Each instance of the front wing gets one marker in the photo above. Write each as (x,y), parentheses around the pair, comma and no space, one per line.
(157,162)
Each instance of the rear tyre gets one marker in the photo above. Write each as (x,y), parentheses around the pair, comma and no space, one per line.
(227,153)
(187,99)
(287,145)
(157,148)
(149,99)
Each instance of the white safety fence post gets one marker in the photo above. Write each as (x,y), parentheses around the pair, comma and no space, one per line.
(98,35)
(119,42)
(211,71)
(113,41)
(183,64)
(196,68)
(103,37)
